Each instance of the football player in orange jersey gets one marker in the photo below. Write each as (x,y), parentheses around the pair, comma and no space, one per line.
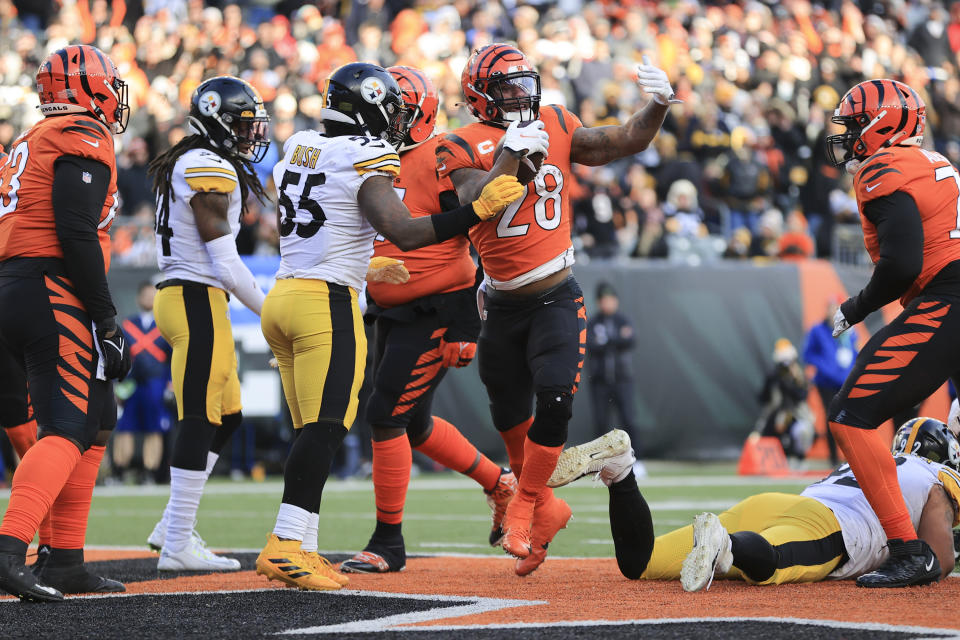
(909,201)
(424,326)
(58,197)
(533,339)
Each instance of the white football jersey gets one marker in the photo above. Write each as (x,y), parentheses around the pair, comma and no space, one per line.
(323,235)
(862,534)
(181,252)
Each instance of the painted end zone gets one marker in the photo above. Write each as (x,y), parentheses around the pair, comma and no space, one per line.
(475,596)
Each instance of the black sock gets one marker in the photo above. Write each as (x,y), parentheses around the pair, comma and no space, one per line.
(65,557)
(308,464)
(387,533)
(631,526)
(753,555)
(191,444)
(227,426)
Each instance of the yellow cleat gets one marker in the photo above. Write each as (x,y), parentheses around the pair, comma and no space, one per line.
(325,568)
(284,561)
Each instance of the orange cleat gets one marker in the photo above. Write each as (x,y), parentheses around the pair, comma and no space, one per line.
(548,518)
(516,525)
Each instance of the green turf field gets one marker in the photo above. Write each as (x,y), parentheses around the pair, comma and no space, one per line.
(445,512)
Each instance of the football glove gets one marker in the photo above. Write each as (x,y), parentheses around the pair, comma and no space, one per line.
(457,354)
(389,270)
(655,82)
(496,195)
(840,323)
(114,349)
(526,138)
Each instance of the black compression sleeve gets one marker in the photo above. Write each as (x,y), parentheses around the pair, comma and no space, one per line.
(900,236)
(79,191)
(455,222)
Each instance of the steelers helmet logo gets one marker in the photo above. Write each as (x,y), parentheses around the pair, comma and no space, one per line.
(209,103)
(373,90)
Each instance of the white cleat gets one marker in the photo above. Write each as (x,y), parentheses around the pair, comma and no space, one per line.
(156,538)
(195,557)
(608,456)
(711,554)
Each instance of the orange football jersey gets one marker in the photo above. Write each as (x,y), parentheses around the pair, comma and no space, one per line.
(437,268)
(535,229)
(934,184)
(27,227)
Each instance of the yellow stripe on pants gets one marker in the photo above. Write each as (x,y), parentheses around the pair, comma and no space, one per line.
(780,518)
(205,380)
(316,333)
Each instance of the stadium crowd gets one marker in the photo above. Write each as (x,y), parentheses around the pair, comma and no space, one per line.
(739,171)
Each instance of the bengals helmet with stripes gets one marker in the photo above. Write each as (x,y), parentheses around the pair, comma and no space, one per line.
(81,78)
(501,85)
(930,439)
(421,99)
(876,114)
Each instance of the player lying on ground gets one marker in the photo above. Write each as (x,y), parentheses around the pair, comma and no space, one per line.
(828,531)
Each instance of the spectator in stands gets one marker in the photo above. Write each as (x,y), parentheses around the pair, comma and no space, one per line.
(758,80)
(832,360)
(133,183)
(785,414)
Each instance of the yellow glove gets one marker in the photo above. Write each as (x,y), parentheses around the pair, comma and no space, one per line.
(495,197)
(389,270)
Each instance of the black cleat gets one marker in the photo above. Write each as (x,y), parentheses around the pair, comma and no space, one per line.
(910,563)
(16,579)
(377,558)
(64,570)
(43,554)
(76,579)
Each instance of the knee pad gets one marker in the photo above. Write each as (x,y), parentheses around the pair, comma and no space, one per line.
(554,410)
(14,409)
(753,555)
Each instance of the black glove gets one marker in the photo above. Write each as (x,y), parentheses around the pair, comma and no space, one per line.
(956,544)
(114,348)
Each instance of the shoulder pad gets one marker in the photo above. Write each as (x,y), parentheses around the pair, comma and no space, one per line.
(204,170)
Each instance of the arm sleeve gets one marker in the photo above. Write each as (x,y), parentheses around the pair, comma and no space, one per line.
(79,190)
(900,236)
(233,273)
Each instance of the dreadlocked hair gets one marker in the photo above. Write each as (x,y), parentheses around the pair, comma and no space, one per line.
(161,168)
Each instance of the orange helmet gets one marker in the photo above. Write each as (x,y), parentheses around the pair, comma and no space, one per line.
(421,100)
(81,78)
(876,114)
(501,85)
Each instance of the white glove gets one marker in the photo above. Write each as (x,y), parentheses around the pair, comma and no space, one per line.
(655,82)
(840,323)
(527,138)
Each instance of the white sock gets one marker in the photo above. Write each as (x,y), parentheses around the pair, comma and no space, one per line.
(310,537)
(211,461)
(292,522)
(186,489)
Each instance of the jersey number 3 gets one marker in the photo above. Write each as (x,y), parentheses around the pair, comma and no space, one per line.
(289,213)
(10,177)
